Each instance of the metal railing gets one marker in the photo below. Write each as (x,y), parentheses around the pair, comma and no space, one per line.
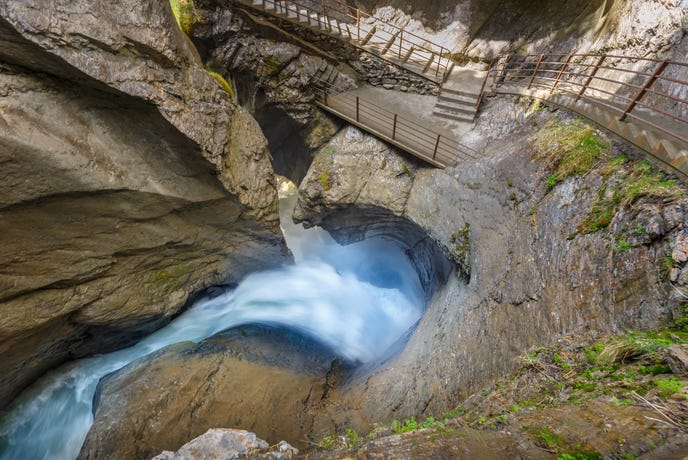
(651,91)
(393,42)
(399,129)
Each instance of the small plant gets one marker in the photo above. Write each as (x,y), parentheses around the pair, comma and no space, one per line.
(353,438)
(325,179)
(580,456)
(574,147)
(621,245)
(406,170)
(409,424)
(186,14)
(633,181)
(551,181)
(668,387)
(547,438)
(461,248)
(221,80)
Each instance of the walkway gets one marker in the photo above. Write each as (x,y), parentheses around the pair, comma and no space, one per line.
(365,108)
(405,49)
(649,107)
(417,134)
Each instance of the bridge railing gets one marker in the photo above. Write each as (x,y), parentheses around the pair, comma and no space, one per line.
(442,149)
(652,91)
(364,29)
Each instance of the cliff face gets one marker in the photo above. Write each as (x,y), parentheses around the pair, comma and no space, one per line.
(537,271)
(483,28)
(130,181)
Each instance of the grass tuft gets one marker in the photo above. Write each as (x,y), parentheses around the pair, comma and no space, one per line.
(573,147)
(221,80)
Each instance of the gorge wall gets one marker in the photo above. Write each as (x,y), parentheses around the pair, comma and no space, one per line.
(135,181)
(131,181)
(534,276)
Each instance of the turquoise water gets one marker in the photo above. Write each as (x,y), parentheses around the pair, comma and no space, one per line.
(358,299)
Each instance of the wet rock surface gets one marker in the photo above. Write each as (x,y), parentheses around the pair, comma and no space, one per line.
(258,378)
(533,277)
(118,152)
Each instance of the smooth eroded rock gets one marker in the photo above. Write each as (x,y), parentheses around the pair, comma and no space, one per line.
(256,378)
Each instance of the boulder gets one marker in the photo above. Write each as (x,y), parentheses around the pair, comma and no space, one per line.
(228,444)
(258,378)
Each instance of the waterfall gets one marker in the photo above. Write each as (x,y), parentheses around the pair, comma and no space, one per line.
(358,299)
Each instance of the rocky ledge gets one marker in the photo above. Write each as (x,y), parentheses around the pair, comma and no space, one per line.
(131,181)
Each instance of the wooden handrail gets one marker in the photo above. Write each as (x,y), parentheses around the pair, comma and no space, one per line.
(657,91)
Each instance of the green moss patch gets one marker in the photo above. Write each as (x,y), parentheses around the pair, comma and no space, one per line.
(186,14)
(625,183)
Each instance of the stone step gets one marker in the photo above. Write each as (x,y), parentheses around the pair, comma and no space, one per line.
(458,98)
(452,115)
(461,108)
(460,92)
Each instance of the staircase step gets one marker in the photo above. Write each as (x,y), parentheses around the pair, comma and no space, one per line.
(458,98)
(460,92)
(452,115)
(467,109)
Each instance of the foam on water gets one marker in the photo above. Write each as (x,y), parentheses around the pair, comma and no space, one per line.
(358,299)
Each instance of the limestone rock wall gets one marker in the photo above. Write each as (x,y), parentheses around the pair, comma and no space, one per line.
(484,28)
(118,155)
(533,277)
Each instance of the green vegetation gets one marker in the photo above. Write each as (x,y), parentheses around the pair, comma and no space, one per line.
(573,147)
(625,183)
(410,424)
(406,170)
(668,387)
(621,245)
(325,179)
(221,80)
(186,14)
(348,440)
(461,248)
(172,278)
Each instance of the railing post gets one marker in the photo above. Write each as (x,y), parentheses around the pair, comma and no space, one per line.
(502,75)
(561,72)
(358,24)
(537,67)
(660,68)
(327,20)
(591,76)
(437,144)
(401,41)
(430,61)
(482,87)
(389,44)
(439,61)
(357,110)
(394,127)
(408,55)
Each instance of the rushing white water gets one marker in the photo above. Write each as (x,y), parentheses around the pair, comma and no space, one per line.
(358,299)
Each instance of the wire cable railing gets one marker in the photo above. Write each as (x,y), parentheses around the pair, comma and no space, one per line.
(402,130)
